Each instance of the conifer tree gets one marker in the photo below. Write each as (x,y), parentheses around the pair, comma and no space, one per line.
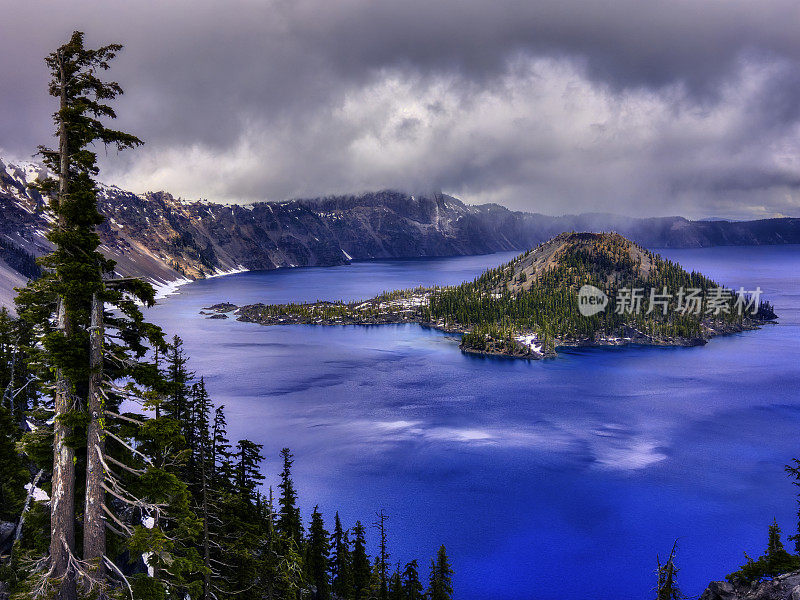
(13,474)
(667,586)
(179,378)
(66,308)
(243,569)
(14,389)
(774,543)
(382,560)
(274,582)
(17,395)
(396,585)
(17,383)
(248,473)
(412,586)
(341,567)
(775,560)
(441,583)
(317,562)
(169,529)
(361,565)
(197,432)
(376,587)
(201,464)
(289,524)
(221,453)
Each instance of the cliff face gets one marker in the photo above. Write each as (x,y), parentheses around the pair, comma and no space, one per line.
(202,237)
(165,239)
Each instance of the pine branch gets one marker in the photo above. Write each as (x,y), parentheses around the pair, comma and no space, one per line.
(122,465)
(128,531)
(114,415)
(111,564)
(131,448)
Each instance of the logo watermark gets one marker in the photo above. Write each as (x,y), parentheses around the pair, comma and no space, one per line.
(591,300)
(685,301)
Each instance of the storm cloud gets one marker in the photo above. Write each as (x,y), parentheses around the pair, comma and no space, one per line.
(642,107)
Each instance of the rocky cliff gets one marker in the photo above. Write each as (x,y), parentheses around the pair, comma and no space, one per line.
(166,239)
(782,587)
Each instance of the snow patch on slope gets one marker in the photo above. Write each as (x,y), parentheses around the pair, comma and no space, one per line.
(168,288)
(9,279)
(221,273)
(171,287)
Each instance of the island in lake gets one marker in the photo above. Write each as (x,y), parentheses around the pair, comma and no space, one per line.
(529,307)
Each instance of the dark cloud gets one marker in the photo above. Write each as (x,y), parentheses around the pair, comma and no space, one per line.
(648,107)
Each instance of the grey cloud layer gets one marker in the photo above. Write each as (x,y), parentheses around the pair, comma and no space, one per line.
(638,106)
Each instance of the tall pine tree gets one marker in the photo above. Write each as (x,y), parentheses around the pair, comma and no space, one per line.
(361,565)
(317,561)
(382,560)
(412,586)
(289,524)
(441,577)
(341,563)
(80,348)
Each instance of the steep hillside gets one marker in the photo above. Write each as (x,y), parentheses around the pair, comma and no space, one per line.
(611,260)
(537,294)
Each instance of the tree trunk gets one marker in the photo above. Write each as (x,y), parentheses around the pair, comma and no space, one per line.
(8,394)
(25,508)
(62,498)
(62,502)
(206,544)
(94,525)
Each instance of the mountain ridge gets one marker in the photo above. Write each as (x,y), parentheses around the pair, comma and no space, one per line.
(169,240)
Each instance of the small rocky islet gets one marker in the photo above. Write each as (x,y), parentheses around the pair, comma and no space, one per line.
(528,307)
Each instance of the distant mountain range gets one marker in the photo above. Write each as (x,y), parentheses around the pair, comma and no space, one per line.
(166,239)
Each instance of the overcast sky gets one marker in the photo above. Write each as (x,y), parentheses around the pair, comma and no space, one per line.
(641,107)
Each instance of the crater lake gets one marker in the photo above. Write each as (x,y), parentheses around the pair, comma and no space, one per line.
(556,479)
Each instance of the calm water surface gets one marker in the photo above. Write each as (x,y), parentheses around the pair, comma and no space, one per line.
(556,479)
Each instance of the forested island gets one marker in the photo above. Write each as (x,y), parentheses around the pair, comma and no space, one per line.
(529,307)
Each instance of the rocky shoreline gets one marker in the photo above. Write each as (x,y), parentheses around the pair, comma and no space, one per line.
(781,587)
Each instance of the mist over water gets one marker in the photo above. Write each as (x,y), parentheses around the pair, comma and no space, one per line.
(556,479)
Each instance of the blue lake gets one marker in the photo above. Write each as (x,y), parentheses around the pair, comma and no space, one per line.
(557,479)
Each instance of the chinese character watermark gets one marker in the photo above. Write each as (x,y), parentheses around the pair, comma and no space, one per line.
(714,302)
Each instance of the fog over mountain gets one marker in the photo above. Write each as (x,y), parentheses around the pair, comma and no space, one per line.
(689,107)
